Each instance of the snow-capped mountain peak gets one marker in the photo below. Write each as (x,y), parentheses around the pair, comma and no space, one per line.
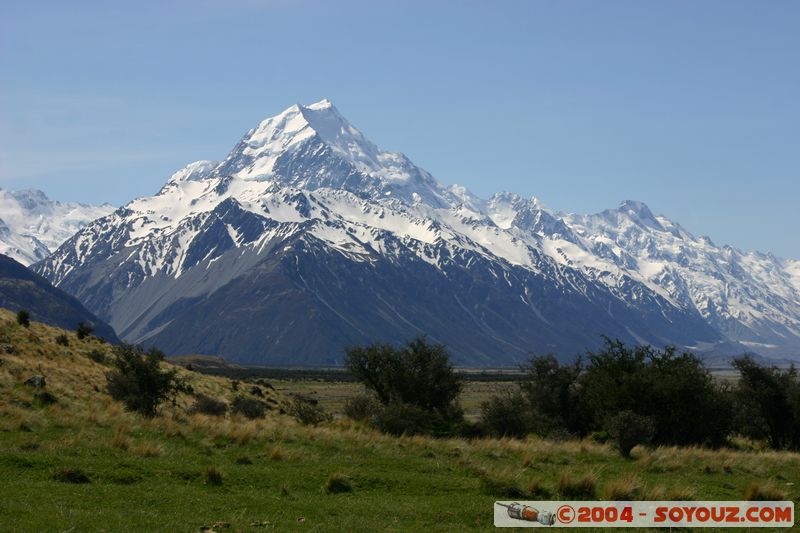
(306,208)
(275,136)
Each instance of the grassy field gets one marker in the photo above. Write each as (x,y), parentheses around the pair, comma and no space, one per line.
(84,464)
(332,395)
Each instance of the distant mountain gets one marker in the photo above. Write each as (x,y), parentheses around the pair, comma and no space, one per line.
(22,289)
(307,238)
(32,225)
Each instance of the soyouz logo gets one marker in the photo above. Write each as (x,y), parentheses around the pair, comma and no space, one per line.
(643,514)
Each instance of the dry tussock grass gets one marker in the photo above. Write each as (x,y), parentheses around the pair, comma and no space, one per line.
(572,486)
(681,493)
(147,449)
(657,493)
(120,439)
(762,491)
(625,488)
(276,454)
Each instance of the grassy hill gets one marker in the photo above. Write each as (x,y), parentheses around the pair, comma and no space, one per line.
(75,460)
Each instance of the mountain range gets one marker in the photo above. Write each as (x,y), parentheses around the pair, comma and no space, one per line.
(307,238)
(32,225)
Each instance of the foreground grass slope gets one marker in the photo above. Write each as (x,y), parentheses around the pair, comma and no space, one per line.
(82,463)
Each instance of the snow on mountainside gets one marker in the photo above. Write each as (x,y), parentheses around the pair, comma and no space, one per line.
(307,226)
(32,225)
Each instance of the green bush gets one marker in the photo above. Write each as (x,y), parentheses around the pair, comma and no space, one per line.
(83,330)
(138,381)
(337,484)
(674,391)
(207,405)
(45,398)
(71,475)
(248,407)
(98,356)
(508,415)
(361,407)
(404,419)
(62,340)
(307,412)
(23,318)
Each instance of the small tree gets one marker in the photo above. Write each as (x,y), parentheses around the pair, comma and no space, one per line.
(553,395)
(23,318)
(419,373)
(139,382)
(768,401)
(415,385)
(83,330)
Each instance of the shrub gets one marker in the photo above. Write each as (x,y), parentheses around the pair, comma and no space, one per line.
(628,429)
(98,356)
(338,483)
(62,340)
(307,412)
(45,398)
(248,407)
(212,476)
(138,381)
(507,416)
(83,330)
(23,318)
(573,487)
(676,392)
(402,418)
(361,407)
(208,406)
(71,475)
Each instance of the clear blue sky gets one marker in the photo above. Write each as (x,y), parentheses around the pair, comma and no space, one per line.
(690,106)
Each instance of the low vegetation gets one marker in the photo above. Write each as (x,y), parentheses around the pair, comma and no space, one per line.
(88,462)
(139,382)
(644,396)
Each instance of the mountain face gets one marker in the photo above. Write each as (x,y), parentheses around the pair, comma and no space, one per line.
(22,289)
(308,238)
(32,225)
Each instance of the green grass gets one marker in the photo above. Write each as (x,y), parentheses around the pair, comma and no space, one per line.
(181,472)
